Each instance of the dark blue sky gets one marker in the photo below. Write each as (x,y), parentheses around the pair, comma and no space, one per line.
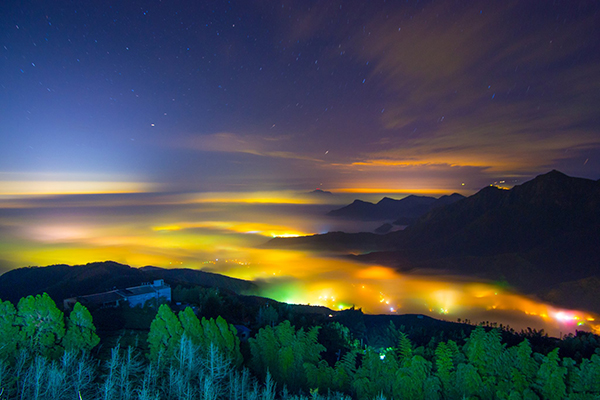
(269,95)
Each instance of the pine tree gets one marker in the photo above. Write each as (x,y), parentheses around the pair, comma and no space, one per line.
(320,376)
(192,327)
(550,377)
(283,351)
(165,334)
(209,331)
(412,378)
(405,349)
(484,351)
(588,377)
(10,334)
(81,332)
(444,365)
(224,336)
(344,371)
(376,375)
(468,381)
(42,325)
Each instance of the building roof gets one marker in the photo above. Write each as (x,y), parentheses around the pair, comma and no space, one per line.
(137,290)
(146,288)
(114,296)
(106,297)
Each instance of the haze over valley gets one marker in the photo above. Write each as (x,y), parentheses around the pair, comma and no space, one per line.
(231,236)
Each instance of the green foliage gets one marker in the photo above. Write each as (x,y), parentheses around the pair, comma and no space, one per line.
(283,352)
(224,337)
(468,381)
(517,372)
(344,371)
(81,332)
(211,332)
(267,315)
(337,340)
(10,334)
(192,358)
(484,350)
(587,379)
(444,365)
(375,375)
(165,333)
(404,347)
(210,301)
(42,326)
(413,380)
(191,326)
(320,376)
(550,377)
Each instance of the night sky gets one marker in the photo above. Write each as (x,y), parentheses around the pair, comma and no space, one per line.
(188,134)
(118,96)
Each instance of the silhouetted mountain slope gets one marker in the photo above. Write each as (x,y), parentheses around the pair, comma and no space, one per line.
(332,241)
(62,281)
(186,275)
(406,209)
(534,236)
(497,221)
(385,228)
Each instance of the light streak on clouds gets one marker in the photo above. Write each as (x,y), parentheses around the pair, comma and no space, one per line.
(36,184)
(11,188)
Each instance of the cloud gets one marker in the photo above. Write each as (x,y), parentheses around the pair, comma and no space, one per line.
(263,146)
(465,90)
(18,184)
(497,87)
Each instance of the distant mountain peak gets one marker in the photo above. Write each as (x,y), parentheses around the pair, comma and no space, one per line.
(557,189)
(387,200)
(555,172)
(402,211)
(552,176)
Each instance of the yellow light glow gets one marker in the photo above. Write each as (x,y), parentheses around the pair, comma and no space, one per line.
(376,272)
(29,188)
(223,245)
(235,226)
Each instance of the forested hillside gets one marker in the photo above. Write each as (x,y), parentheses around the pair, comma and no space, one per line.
(44,355)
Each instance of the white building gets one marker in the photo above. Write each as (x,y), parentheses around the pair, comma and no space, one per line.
(139,295)
(134,296)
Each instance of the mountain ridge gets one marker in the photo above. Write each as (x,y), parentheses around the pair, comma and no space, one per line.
(403,210)
(535,236)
